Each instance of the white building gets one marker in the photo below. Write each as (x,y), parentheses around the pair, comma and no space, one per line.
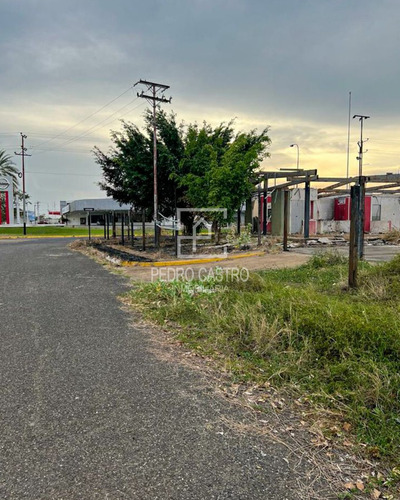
(331,214)
(382,213)
(74,214)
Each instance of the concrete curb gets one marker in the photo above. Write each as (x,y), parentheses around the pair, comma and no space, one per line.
(168,263)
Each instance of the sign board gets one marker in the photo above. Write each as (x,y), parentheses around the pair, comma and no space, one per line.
(88,209)
(4,184)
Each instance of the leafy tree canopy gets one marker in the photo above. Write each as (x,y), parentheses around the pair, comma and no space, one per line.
(218,166)
(197,166)
(128,166)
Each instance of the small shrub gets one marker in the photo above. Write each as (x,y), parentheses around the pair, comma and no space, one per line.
(326,259)
(244,238)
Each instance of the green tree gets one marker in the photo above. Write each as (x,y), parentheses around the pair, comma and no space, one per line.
(197,166)
(7,167)
(128,166)
(219,167)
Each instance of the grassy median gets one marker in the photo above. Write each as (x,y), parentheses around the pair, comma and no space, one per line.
(43,231)
(301,329)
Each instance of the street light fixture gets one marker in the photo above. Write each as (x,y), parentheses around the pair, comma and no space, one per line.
(298,153)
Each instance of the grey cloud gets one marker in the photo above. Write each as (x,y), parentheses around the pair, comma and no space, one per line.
(293,60)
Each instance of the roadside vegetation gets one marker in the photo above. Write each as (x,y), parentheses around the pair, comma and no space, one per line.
(303,331)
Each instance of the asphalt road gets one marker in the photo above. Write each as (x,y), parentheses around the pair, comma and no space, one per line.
(373,253)
(87,411)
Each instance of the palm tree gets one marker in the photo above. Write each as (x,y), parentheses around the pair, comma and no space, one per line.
(7,167)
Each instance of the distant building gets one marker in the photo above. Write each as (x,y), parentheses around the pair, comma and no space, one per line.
(73,213)
(382,213)
(329,214)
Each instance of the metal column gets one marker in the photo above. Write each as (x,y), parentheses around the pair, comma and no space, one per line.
(265,207)
(307,193)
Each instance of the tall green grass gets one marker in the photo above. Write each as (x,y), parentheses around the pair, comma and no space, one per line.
(303,330)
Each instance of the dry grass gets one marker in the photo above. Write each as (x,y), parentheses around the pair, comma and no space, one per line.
(392,236)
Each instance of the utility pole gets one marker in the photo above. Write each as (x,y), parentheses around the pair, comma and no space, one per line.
(360,143)
(354,230)
(153,99)
(22,154)
(361,183)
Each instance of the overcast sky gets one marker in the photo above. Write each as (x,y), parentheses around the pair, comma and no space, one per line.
(287,64)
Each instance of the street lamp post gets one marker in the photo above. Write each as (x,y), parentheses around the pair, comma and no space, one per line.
(298,154)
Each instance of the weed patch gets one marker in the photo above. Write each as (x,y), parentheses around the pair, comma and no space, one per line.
(299,329)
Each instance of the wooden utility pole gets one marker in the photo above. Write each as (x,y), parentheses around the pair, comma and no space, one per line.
(22,154)
(354,232)
(153,99)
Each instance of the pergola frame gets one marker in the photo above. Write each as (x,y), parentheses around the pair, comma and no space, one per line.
(390,185)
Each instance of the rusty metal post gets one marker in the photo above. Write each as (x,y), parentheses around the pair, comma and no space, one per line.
(265,207)
(143,230)
(114,225)
(259,215)
(285,219)
(307,193)
(361,215)
(132,224)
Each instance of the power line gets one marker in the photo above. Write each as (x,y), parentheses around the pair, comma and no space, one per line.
(96,127)
(58,150)
(62,173)
(86,118)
